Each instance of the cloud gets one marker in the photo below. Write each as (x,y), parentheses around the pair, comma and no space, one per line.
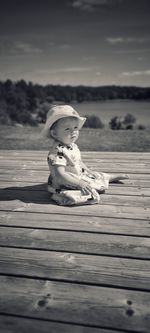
(9,48)
(141,58)
(65,46)
(135,73)
(89,5)
(133,51)
(98,73)
(26,48)
(66,70)
(114,40)
(78,69)
(121,40)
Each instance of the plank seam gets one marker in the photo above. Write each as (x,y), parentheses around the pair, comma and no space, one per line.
(74,230)
(70,323)
(75,252)
(73,214)
(71,281)
(106,194)
(34,182)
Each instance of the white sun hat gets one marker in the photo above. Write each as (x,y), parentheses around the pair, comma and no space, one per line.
(60,111)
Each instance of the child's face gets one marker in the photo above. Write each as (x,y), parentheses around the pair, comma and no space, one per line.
(66,130)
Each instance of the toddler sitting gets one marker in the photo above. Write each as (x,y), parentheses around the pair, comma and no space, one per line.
(71,182)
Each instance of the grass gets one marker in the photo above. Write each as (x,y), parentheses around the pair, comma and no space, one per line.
(27,137)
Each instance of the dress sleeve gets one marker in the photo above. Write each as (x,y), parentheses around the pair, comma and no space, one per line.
(56,159)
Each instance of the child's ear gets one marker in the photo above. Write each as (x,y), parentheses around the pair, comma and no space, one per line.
(53,134)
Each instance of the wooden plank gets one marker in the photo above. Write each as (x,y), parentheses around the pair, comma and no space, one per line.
(42,178)
(126,200)
(40,175)
(77,242)
(37,196)
(25,177)
(116,169)
(104,168)
(85,154)
(46,206)
(90,269)
(75,303)
(108,225)
(109,154)
(128,190)
(11,324)
(108,167)
(25,156)
(95,165)
(113,188)
(124,188)
(26,186)
(94,159)
(143,201)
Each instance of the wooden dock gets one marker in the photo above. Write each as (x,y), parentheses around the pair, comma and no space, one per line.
(74,269)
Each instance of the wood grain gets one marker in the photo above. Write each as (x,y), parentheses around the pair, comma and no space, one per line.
(76,303)
(122,246)
(11,324)
(82,269)
(94,224)
(73,267)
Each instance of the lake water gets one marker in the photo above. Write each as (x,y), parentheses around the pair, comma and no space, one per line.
(109,109)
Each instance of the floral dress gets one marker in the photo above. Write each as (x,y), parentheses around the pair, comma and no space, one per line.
(65,194)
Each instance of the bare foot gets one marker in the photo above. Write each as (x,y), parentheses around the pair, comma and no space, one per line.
(117,177)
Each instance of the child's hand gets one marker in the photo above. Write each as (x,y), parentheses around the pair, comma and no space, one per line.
(94,174)
(85,187)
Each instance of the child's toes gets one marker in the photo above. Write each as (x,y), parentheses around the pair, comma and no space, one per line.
(125,176)
(118,177)
(121,177)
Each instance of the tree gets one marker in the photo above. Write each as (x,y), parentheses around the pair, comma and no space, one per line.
(42,112)
(4,117)
(115,123)
(93,122)
(118,123)
(129,120)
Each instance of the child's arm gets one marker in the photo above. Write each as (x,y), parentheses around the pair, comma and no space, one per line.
(67,178)
(87,169)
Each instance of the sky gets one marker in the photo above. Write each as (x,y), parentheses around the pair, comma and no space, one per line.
(75,42)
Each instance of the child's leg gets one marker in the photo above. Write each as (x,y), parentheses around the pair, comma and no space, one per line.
(99,181)
(75,197)
(117,177)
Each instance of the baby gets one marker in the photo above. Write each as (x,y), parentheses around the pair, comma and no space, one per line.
(71,182)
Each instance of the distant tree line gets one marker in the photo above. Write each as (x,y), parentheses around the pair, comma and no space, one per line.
(127,122)
(27,103)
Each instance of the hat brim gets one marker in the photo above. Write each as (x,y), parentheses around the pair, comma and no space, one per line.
(46,130)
